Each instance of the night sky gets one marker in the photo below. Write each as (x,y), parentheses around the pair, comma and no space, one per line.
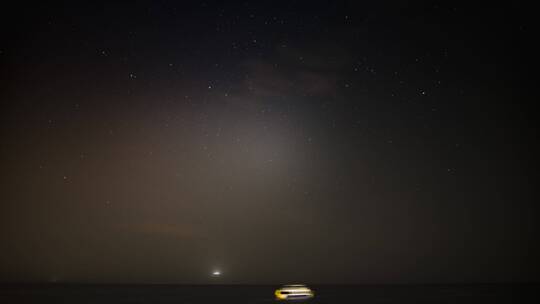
(328,142)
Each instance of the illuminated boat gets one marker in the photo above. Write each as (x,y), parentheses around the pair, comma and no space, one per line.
(290,292)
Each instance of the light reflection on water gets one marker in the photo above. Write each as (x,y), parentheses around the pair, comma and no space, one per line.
(60,293)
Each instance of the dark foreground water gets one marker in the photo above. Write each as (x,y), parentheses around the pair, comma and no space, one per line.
(178,294)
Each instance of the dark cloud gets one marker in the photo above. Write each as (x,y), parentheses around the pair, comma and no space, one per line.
(296,72)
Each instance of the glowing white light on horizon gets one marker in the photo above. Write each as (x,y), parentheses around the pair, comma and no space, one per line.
(216,273)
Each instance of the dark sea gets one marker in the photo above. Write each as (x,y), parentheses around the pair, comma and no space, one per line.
(74,293)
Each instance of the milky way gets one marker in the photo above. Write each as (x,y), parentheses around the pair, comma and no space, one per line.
(326,143)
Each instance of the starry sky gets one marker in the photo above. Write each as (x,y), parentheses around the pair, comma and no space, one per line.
(319,142)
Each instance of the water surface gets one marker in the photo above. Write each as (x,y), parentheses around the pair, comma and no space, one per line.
(184,294)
